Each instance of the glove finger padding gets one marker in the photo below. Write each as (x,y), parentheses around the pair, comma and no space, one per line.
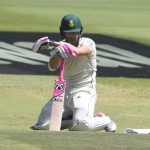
(62,52)
(68,50)
(40,44)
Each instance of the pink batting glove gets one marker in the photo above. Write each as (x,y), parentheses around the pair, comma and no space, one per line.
(68,49)
(40,44)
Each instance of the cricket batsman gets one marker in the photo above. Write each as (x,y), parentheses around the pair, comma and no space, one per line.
(79,54)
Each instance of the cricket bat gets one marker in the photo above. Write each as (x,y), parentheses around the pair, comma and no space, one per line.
(58,101)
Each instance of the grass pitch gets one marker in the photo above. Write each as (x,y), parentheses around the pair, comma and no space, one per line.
(127,19)
(126,100)
(19,140)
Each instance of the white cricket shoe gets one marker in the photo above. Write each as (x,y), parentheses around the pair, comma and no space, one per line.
(111,127)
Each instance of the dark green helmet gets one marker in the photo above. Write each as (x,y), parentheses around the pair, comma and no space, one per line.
(70,23)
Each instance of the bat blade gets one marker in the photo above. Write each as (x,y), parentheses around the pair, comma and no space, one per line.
(57,105)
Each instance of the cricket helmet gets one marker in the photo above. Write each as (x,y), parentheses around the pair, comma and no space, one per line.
(70,23)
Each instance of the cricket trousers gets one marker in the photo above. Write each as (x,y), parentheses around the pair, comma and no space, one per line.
(79,105)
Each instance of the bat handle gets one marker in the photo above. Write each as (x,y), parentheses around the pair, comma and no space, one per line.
(61,74)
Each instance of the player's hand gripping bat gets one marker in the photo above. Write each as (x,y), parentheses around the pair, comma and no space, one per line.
(58,101)
(42,44)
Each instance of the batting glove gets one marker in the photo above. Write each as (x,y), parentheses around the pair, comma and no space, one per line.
(66,51)
(52,52)
(42,43)
(62,52)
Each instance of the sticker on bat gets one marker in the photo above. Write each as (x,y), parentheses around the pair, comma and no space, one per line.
(59,86)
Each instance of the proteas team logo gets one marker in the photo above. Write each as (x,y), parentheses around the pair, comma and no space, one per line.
(71,24)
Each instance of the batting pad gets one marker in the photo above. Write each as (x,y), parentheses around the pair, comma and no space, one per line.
(137,131)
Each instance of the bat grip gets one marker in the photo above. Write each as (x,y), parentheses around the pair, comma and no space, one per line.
(61,74)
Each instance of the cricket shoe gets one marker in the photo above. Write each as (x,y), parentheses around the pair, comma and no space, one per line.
(111,127)
(40,127)
(35,127)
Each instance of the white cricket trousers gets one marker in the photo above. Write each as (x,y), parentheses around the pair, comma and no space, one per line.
(79,105)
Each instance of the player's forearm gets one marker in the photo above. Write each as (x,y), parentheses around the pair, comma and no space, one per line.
(81,51)
(54,62)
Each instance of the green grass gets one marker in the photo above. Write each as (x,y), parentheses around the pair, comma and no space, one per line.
(127,19)
(15,140)
(126,100)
